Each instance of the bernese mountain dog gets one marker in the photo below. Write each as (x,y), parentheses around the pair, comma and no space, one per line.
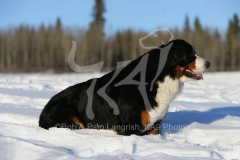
(132,99)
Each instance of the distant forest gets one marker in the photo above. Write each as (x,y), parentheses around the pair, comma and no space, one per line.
(27,49)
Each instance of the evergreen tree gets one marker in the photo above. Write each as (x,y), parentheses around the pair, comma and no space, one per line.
(232,39)
(98,11)
(198,37)
(187,30)
(95,39)
(197,25)
(58,53)
(58,25)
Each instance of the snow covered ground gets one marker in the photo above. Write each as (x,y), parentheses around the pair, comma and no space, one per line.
(203,123)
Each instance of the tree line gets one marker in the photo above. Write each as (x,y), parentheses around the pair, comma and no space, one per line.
(28,49)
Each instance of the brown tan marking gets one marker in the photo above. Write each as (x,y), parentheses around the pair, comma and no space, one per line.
(78,123)
(179,69)
(192,65)
(179,72)
(153,131)
(145,118)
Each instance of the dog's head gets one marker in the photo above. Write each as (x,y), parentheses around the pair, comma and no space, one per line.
(188,66)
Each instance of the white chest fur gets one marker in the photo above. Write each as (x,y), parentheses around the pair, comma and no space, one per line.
(167,91)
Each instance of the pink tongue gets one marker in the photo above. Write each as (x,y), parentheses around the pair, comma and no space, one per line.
(200,75)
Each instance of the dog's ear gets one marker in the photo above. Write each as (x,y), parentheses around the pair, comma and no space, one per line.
(176,58)
(171,60)
(179,53)
(182,61)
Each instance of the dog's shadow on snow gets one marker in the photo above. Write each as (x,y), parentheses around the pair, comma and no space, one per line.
(176,121)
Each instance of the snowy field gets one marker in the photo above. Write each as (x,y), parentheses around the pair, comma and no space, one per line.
(203,123)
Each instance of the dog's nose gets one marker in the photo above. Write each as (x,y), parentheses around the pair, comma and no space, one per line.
(208,64)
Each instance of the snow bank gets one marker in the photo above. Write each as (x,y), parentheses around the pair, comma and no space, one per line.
(203,123)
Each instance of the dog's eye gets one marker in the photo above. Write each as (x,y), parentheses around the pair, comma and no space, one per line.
(192,57)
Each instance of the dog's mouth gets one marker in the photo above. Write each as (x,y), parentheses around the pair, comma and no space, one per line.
(188,73)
